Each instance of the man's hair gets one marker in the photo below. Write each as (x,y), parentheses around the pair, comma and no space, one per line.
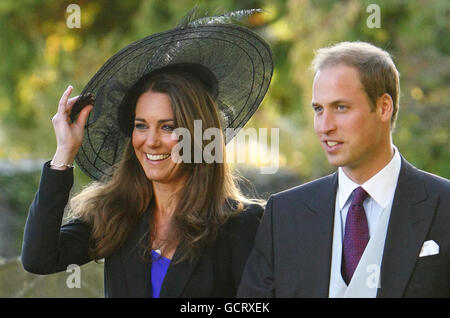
(377,71)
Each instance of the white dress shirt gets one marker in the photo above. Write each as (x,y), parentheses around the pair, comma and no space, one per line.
(381,189)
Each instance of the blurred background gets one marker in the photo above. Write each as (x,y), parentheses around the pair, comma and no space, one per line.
(40,56)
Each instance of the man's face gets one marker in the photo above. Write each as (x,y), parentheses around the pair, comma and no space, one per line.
(350,133)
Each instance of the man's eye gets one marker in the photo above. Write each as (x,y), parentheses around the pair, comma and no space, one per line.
(317,109)
(341,107)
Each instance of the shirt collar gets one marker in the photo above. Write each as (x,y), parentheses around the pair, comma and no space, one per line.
(381,187)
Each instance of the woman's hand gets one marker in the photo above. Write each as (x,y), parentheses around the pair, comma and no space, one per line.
(68,135)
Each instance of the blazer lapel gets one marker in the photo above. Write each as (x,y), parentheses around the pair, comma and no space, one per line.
(315,254)
(411,216)
(137,268)
(177,275)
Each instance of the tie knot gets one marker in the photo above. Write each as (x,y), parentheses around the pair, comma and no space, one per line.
(359,195)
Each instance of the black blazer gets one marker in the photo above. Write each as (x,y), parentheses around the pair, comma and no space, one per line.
(49,248)
(293,246)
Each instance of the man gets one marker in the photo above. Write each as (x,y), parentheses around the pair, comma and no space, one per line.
(378,227)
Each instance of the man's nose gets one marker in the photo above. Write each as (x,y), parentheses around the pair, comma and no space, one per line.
(324,123)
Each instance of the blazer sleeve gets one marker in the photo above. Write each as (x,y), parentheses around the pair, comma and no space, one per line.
(242,239)
(47,247)
(258,276)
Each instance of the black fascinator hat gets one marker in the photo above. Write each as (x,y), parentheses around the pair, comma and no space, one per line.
(233,62)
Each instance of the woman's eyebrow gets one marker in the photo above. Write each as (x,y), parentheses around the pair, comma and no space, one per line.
(159,121)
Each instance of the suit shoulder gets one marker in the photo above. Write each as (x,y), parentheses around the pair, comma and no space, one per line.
(435,183)
(305,190)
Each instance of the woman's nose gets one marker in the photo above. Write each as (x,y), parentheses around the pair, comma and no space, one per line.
(152,138)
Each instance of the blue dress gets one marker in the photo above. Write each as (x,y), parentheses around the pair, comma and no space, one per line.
(160,264)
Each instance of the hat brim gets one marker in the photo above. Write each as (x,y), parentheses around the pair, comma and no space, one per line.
(239,59)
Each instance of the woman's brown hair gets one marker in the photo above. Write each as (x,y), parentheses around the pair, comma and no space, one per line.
(208,199)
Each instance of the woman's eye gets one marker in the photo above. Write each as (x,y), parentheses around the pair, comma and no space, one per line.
(139,126)
(168,127)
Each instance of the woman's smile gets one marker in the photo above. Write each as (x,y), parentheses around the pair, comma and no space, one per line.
(157,157)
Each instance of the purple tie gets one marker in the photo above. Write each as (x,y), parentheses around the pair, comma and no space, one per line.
(356,234)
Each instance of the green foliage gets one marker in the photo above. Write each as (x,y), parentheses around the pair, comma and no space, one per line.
(19,188)
(16,193)
(41,56)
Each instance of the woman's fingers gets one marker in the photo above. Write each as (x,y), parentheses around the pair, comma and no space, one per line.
(82,117)
(70,102)
(64,99)
(69,135)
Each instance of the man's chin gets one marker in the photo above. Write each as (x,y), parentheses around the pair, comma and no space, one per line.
(335,161)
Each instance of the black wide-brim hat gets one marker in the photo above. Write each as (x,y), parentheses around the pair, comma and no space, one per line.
(234,62)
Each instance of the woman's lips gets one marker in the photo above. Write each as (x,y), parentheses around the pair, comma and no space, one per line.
(156,158)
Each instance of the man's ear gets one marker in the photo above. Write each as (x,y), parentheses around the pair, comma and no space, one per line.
(385,107)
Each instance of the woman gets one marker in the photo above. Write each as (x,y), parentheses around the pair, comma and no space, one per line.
(165,228)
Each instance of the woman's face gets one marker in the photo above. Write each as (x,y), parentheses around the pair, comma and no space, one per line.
(152,138)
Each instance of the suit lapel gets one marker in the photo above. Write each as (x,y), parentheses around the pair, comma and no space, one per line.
(315,254)
(411,216)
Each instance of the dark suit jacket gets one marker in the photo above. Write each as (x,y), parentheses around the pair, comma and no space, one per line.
(292,254)
(49,248)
